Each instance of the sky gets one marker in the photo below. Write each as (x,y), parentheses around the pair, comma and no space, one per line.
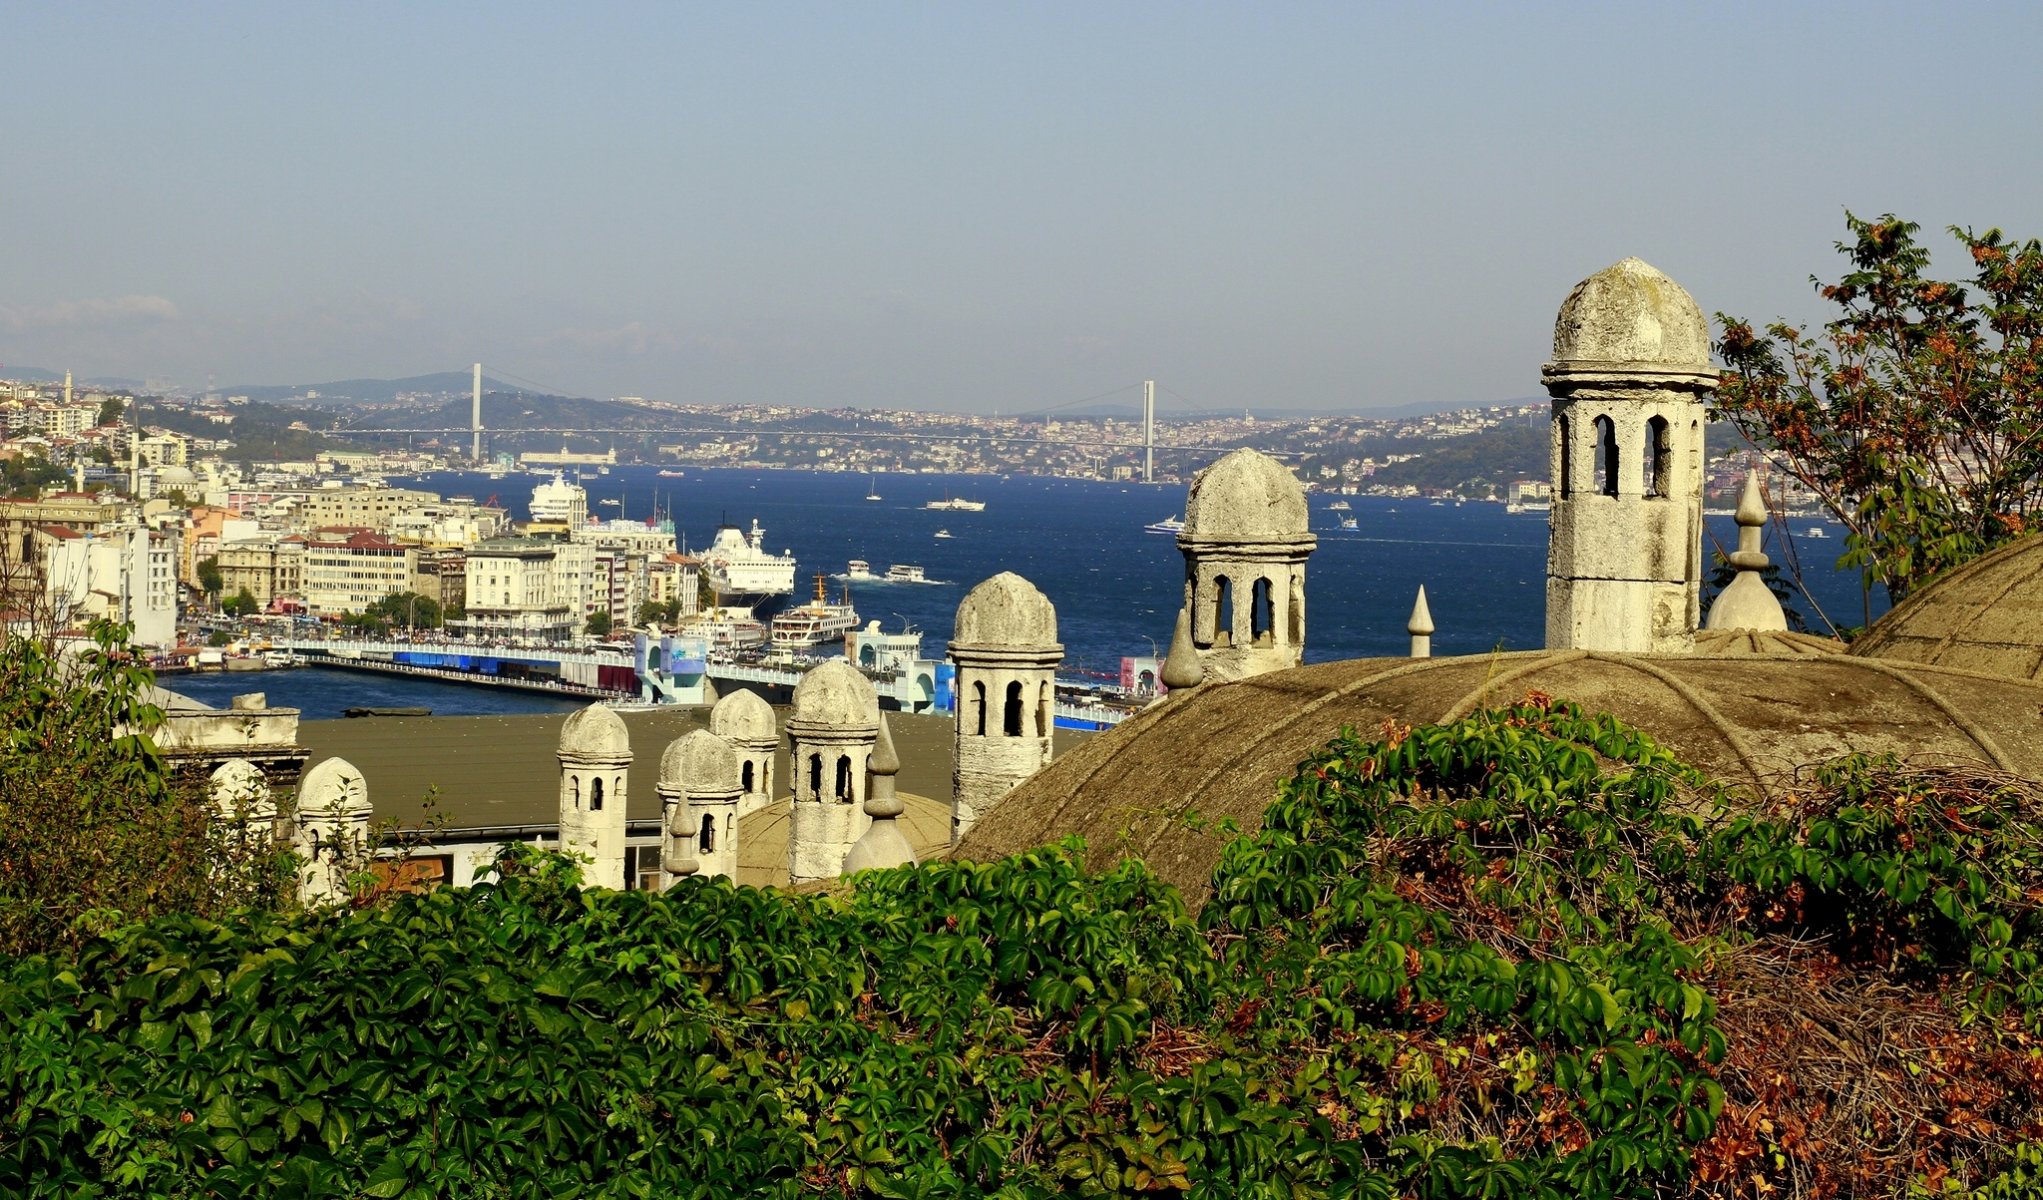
(962,206)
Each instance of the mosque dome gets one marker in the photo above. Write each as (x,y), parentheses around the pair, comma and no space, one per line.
(1986,616)
(700,761)
(595,732)
(1631,313)
(743,716)
(835,694)
(174,476)
(1748,720)
(1245,496)
(1006,610)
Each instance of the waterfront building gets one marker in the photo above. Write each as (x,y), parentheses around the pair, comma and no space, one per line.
(524,587)
(1005,648)
(347,574)
(267,567)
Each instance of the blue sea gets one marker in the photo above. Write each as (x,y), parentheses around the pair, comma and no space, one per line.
(1116,588)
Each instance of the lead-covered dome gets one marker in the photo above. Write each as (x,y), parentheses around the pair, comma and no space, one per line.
(595,732)
(1006,610)
(743,716)
(835,694)
(1986,616)
(1631,313)
(1246,496)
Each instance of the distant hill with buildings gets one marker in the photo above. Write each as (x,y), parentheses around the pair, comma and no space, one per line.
(366,391)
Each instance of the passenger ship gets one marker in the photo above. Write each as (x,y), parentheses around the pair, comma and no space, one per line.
(738,568)
(814,623)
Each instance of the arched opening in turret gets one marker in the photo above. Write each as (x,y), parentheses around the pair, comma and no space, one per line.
(575,790)
(1046,712)
(979,708)
(1295,611)
(816,776)
(1564,480)
(1659,458)
(708,833)
(1011,712)
(1223,611)
(844,779)
(1262,613)
(595,795)
(745,775)
(1606,456)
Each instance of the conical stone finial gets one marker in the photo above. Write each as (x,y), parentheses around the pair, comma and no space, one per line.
(1182,668)
(1420,626)
(1748,603)
(882,844)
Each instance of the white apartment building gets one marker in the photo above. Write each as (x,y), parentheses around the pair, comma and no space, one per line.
(347,575)
(124,573)
(525,588)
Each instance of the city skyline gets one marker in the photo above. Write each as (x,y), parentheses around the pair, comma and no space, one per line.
(974,209)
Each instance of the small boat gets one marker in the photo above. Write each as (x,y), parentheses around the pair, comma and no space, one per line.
(942,533)
(1817,532)
(858,570)
(1340,506)
(1349,523)
(1169,525)
(670,474)
(609,503)
(871,492)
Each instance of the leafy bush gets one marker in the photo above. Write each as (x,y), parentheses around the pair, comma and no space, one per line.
(1523,954)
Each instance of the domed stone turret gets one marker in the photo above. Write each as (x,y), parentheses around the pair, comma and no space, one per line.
(1005,610)
(746,721)
(1006,651)
(595,756)
(333,829)
(1245,496)
(699,789)
(831,729)
(1629,376)
(1245,542)
(1631,313)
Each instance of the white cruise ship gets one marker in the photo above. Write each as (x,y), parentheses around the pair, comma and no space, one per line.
(740,570)
(956,504)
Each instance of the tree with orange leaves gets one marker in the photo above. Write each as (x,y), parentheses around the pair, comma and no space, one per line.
(1917,414)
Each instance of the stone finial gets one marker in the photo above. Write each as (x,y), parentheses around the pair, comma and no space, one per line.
(1748,603)
(679,860)
(1420,626)
(1181,667)
(882,844)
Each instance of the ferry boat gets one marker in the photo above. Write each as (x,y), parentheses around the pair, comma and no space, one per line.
(859,570)
(1169,525)
(1349,523)
(1530,506)
(1340,506)
(739,569)
(814,623)
(670,474)
(610,503)
(1817,532)
(907,573)
(942,533)
(956,504)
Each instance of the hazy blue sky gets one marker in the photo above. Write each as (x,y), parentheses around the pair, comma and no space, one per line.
(967,206)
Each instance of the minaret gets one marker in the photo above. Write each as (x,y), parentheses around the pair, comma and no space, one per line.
(594,754)
(746,722)
(699,790)
(1629,378)
(332,830)
(1420,626)
(1006,651)
(1245,542)
(1747,603)
(67,389)
(831,729)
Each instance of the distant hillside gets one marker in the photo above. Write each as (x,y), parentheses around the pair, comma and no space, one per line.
(363,391)
(38,375)
(503,411)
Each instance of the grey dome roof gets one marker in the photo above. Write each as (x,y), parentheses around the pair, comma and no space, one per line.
(1631,313)
(700,761)
(1006,610)
(834,693)
(175,476)
(743,715)
(1222,749)
(1986,616)
(1246,496)
(595,732)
